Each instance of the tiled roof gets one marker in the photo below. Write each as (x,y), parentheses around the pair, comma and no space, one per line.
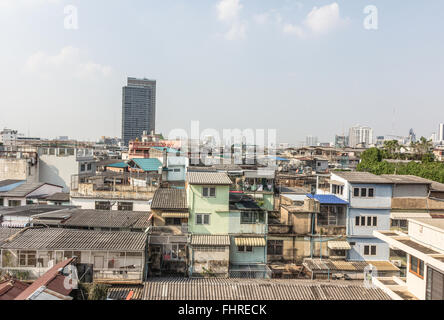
(208,178)
(169,198)
(51,279)
(257,289)
(327,199)
(69,239)
(362,177)
(150,164)
(210,240)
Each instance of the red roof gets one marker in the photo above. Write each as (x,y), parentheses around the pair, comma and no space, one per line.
(52,280)
(10,289)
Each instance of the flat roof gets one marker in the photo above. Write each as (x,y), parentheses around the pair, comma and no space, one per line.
(406,179)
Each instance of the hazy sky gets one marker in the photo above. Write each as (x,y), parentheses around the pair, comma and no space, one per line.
(301,67)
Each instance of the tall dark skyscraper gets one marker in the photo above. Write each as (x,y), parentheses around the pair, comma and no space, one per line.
(138,108)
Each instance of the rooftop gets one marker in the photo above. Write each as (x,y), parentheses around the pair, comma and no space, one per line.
(362,177)
(29,210)
(59,196)
(257,289)
(69,239)
(24,189)
(406,179)
(149,164)
(170,198)
(327,199)
(208,178)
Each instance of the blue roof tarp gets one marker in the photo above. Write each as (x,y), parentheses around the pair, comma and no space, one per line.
(118,165)
(327,199)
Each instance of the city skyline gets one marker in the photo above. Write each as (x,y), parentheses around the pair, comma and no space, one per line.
(212,61)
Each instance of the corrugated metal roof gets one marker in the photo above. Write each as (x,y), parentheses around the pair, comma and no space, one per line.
(150,164)
(406,179)
(257,289)
(170,198)
(338,245)
(118,165)
(250,241)
(7,185)
(121,292)
(69,239)
(210,240)
(327,199)
(59,196)
(105,218)
(327,265)
(208,178)
(5,233)
(24,189)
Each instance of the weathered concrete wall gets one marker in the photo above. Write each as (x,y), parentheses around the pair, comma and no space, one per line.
(20,169)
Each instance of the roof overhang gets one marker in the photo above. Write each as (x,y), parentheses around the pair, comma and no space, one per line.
(338,245)
(250,241)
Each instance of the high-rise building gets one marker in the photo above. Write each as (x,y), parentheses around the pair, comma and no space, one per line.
(441,132)
(360,135)
(341,141)
(311,141)
(138,108)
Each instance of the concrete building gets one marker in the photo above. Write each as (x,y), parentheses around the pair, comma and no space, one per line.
(58,164)
(441,132)
(8,136)
(369,197)
(360,135)
(138,108)
(20,194)
(311,141)
(424,246)
(19,165)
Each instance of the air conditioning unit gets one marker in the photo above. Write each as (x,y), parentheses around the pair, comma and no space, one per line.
(397,263)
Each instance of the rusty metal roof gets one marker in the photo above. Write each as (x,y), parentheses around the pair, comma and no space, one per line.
(70,239)
(121,292)
(208,178)
(170,198)
(210,240)
(257,289)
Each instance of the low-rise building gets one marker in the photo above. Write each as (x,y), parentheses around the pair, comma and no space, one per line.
(424,247)
(21,194)
(113,256)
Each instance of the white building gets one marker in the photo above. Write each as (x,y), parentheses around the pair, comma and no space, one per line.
(424,246)
(441,132)
(311,141)
(7,136)
(360,135)
(57,165)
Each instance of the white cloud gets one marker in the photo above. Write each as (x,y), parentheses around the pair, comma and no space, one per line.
(322,20)
(236,32)
(69,62)
(293,30)
(229,10)
(229,13)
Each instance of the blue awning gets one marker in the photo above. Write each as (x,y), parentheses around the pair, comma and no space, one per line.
(327,199)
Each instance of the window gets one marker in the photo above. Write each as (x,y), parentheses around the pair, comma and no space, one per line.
(252,217)
(70,151)
(176,170)
(416,267)
(27,258)
(202,218)
(125,206)
(89,167)
(366,221)
(1,202)
(275,247)
(82,167)
(103,205)
(363,192)
(244,248)
(51,151)
(369,250)
(14,203)
(209,192)
(209,248)
(173,221)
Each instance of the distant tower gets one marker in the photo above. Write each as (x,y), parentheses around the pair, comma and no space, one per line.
(441,132)
(138,108)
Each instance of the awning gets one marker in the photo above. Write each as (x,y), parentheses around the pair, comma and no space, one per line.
(175,214)
(210,240)
(407,215)
(338,183)
(253,242)
(338,245)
